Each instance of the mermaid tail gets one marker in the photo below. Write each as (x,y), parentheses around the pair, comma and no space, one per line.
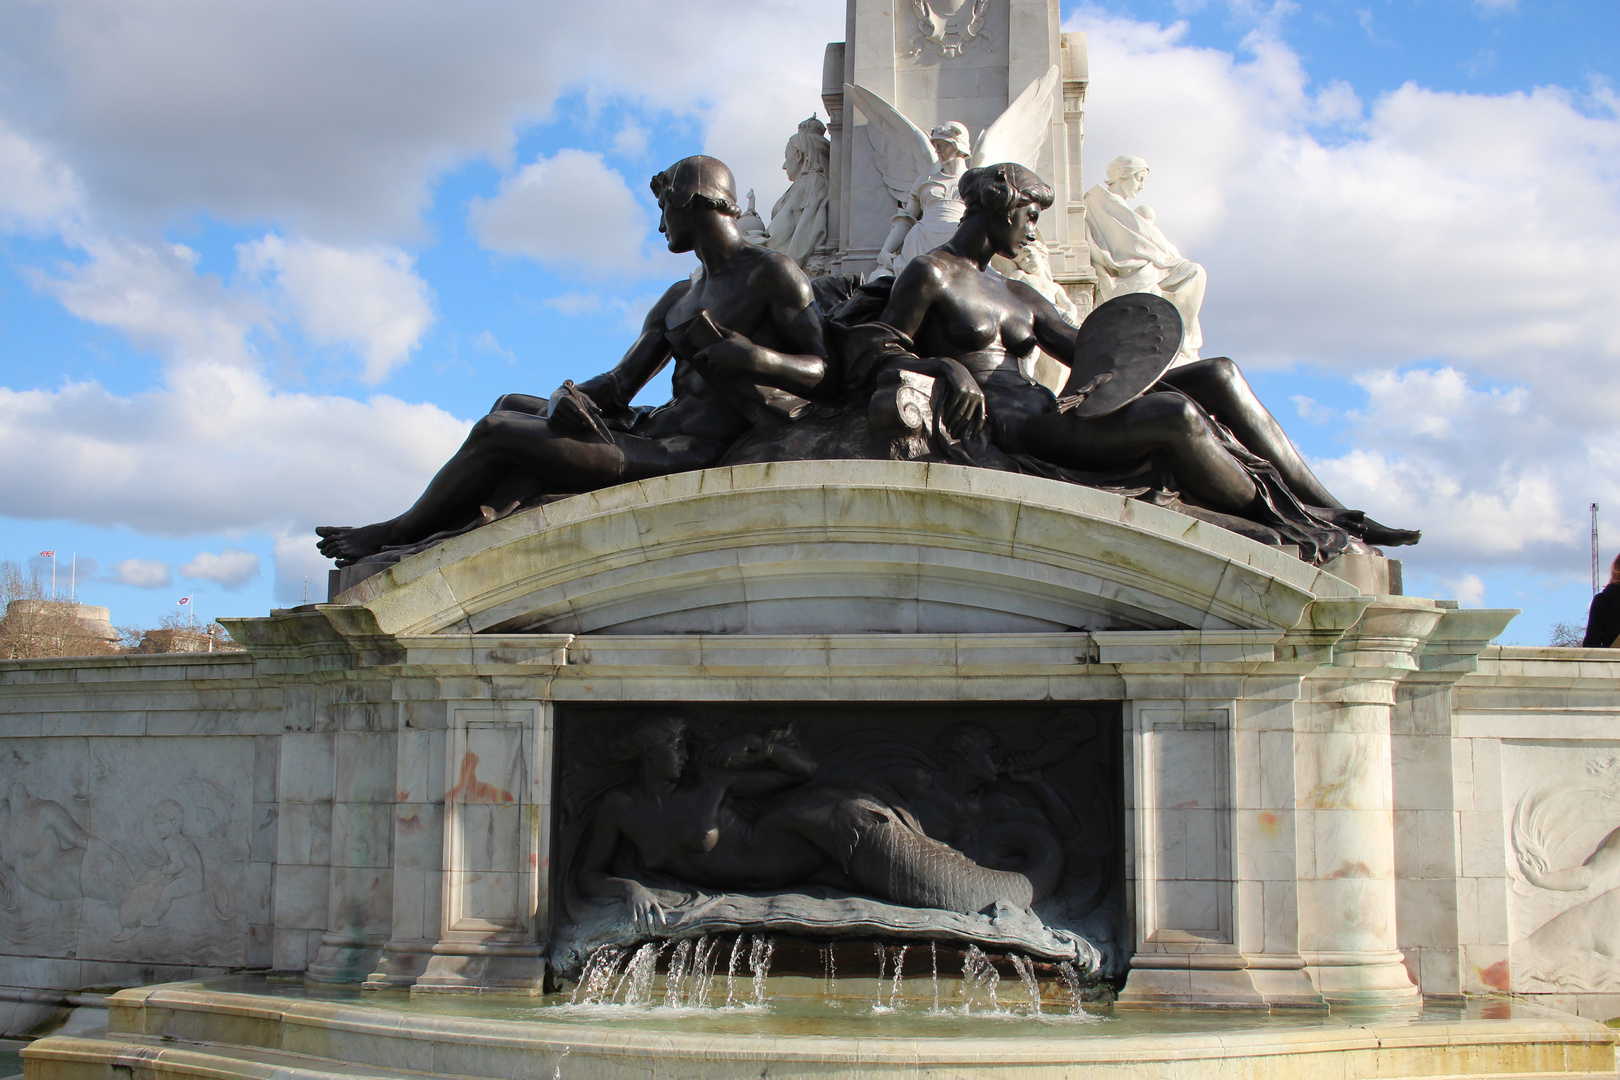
(899,863)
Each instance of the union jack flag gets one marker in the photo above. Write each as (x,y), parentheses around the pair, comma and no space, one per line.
(48,554)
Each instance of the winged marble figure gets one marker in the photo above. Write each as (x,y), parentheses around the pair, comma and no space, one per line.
(921,170)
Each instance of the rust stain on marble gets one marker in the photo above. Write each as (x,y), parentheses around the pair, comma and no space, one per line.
(473,790)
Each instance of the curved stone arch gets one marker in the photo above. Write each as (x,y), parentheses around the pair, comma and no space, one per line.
(844,547)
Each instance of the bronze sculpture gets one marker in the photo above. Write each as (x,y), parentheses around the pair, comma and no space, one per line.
(754,339)
(586,436)
(961,321)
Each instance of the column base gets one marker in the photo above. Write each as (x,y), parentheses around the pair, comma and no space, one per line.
(399,965)
(1362,978)
(1219,981)
(343,961)
(456,968)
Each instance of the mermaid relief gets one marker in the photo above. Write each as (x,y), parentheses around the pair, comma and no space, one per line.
(684,819)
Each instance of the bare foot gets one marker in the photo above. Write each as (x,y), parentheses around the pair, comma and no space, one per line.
(1383,536)
(349,543)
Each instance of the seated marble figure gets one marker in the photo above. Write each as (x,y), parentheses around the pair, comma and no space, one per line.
(587,436)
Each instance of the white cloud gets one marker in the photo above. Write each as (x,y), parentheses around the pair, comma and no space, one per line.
(153,293)
(369,298)
(1465,225)
(486,342)
(299,566)
(1468,590)
(35,191)
(1456,255)
(230,567)
(336,119)
(568,210)
(143,573)
(216,449)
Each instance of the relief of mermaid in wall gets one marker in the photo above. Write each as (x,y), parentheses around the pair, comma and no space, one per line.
(710,829)
(684,819)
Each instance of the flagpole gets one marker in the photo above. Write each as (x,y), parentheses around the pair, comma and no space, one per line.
(73,580)
(53,575)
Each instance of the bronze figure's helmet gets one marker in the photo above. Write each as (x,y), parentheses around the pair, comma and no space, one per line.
(700,177)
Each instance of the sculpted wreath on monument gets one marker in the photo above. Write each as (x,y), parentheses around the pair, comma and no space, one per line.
(771,366)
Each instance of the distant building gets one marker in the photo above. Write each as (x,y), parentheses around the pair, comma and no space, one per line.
(33,628)
(180,639)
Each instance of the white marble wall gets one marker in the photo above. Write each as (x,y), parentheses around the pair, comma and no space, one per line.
(1339,810)
(1536,772)
(138,824)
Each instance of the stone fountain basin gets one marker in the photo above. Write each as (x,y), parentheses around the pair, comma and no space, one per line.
(248,1028)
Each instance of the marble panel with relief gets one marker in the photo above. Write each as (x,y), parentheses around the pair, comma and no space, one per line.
(119,849)
(1562,806)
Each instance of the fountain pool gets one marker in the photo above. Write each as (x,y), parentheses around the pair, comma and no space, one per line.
(254,1027)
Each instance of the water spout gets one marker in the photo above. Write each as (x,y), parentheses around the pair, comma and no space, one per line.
(676,974)
(1026,972)
(979,975)
(759,962)
(731,971)
(933,958)
(899,964)
(1071,982)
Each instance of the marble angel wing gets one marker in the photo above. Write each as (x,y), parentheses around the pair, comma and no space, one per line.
(1018,134)
(902,148)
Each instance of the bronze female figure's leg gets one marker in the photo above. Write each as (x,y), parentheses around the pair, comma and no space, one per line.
(1219,386)
(1166,423)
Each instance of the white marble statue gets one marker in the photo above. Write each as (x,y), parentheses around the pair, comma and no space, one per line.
(799,218)
(751,225)
(1034,268)
(921,170)
(1131,255)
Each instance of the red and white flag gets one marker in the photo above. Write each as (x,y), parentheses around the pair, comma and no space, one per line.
(184,600)
(48,554)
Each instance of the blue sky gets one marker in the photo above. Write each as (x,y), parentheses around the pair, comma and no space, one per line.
(260,266)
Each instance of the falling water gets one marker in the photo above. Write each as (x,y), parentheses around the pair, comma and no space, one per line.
(614,975)
(676,976)
(899,963)
(759,962)
(1026,972)
(596,981)
(1071,982)
(637,980)
(978,973)
(556,1073)
(704,958)
(829,976)
(933,958)
(883,965)
(731,971)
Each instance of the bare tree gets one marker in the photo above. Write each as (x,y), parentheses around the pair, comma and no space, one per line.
(1567,635)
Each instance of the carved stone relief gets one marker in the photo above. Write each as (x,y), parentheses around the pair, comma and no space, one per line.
(123,849)
(998,824)
(1563,806)
(948,26)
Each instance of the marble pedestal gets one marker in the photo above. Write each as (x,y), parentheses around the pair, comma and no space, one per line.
(1328,799)
(1257,690)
